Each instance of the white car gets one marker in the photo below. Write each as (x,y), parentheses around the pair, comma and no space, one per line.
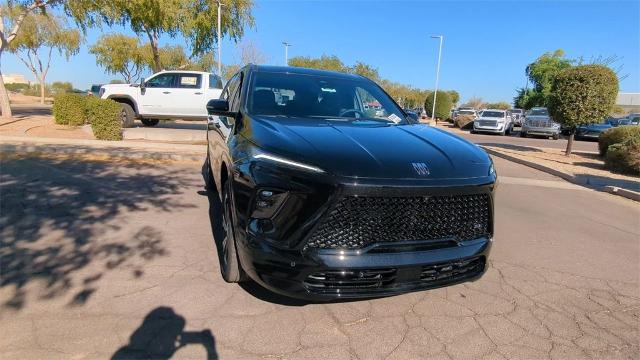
(165,95)
(493,121)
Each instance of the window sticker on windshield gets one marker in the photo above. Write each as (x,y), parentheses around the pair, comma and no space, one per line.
(188,80)
(395,118)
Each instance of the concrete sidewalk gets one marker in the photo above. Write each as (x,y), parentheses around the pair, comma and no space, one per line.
(115,149)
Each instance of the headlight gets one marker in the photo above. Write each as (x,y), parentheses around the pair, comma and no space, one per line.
(492,170)
(259,155)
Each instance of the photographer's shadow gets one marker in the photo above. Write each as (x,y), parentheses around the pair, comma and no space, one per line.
(161,335)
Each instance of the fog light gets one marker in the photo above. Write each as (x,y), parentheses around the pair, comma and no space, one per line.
(266,194)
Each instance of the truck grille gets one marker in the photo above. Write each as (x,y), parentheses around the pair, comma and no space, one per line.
(491,123)
(357,222)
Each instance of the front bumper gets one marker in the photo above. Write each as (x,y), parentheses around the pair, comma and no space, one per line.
(322,275)
(490,129)
(542,131)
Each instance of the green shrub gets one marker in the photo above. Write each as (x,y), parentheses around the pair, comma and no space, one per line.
(16,87)
(443,105)
(69,109)
(617,135)
(105,118)
(624,157)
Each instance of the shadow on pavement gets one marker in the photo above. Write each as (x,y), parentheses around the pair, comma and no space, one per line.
(57,217)
(182,124)
(23,111)
(161,334)
(510,146)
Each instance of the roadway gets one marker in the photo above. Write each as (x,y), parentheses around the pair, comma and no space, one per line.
(117,259)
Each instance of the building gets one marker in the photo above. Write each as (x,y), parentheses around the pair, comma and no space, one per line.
(15,79)
(630,102)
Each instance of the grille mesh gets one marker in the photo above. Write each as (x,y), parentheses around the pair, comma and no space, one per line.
(357,222)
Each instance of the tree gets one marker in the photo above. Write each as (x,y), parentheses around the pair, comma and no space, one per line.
(502,105)
(195,20)
(582,95)
(40,36)
(455,97)
(325,62)
(365,70)
(119,54)
(474,102)
(443,104)
(541,74)
(59,87)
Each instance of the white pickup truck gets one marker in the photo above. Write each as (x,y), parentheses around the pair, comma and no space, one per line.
(165,95)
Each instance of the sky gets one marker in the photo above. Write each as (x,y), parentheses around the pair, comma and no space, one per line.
(487,44)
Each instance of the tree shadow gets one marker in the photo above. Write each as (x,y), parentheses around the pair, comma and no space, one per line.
(161,334)
(57,216)
(511,147)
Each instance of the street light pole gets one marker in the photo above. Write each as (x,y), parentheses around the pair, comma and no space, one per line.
(220,5)
(286,52)
(435,93)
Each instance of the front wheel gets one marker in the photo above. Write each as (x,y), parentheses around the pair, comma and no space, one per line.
(556,136)
(229,265)
(150,122)
(127,115)
(523,134)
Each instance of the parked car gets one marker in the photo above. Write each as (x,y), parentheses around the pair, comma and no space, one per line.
(516,116)
(493,121)
(538,122)
(321,200)
(165,95)
(591,131)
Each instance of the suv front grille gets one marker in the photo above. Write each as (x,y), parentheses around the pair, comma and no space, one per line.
(491,123)
(356,222)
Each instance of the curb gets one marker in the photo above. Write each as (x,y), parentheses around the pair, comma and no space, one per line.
(116,153)
(632,195)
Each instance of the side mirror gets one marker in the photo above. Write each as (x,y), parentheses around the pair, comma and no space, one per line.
(218,107)
(142,84)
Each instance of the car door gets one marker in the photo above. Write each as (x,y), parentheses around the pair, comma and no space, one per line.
(187,97)
(219,128)
(155,96)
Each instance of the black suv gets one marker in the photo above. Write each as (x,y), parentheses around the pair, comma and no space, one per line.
(329,190)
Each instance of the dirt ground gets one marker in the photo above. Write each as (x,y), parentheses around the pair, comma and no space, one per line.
(43,126)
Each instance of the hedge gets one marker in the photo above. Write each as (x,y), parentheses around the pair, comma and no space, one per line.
(624,157)
(617,135)
(105,118)
(443,105)
(69,109)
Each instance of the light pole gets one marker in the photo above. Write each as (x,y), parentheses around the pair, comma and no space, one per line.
(435,93)
(220,5)
(286,52)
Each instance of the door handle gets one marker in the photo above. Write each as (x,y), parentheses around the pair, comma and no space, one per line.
(166,92)
(198,93)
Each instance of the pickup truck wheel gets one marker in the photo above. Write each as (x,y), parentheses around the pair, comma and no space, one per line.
(150,122)
(127,115)
(523,134)
(229,264)
(556,136)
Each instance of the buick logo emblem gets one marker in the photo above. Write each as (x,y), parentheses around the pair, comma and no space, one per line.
(421,169)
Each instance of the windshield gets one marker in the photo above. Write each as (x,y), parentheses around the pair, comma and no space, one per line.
(516,111)
(539,112)
(492,114)
(311,96)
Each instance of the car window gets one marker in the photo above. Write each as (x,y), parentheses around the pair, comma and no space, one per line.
(312,96)
(234,94)
(189,81)
(231,85)
(492,114)
(215,82)
(539,112)
(162,81)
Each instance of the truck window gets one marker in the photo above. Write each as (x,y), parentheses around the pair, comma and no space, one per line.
(215,82)
(162,81)
(189,81)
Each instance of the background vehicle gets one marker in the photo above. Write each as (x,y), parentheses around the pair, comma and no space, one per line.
(516,116)
(591,131)
(165,95)
(493,121)
(538,122)
(297,179)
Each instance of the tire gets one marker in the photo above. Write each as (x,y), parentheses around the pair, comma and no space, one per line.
(229,265)
(150,122)
(127,116)
(473,131)
(207,174)
(523,134)
(556,137)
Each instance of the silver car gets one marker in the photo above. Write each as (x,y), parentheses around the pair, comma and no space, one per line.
(493,121)
(538,122)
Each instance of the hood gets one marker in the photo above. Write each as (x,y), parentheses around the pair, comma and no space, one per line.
(599,127)
(490,118)
(370,150)
(116,86)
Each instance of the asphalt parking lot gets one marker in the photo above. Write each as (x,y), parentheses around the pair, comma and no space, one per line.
(117,260)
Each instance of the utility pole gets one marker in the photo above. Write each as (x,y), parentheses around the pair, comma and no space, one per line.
(435,93)
(286,52)
(220,5)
